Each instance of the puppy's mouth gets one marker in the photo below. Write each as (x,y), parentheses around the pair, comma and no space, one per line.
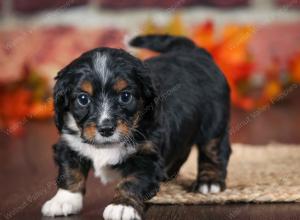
(108,145)
(99,143)
(120,136)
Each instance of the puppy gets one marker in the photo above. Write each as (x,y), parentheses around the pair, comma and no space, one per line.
(136,122)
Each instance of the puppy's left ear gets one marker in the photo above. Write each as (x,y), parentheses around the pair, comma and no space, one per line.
(61,98)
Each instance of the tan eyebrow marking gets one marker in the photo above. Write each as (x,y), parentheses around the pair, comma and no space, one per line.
(120,85)
(87,87)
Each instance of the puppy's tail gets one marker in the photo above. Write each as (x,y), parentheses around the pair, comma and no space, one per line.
(162,43)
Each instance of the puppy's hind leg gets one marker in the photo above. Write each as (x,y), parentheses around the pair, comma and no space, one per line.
(212,165)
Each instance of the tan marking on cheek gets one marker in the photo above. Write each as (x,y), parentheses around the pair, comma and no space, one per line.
(90,131)
(87,87)
(122,127)
(120,85)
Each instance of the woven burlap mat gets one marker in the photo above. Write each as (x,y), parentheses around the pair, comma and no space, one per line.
(255,174)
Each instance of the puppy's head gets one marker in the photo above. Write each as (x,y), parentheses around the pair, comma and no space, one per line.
(102,96)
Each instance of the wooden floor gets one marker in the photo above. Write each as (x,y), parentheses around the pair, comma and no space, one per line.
(27,171)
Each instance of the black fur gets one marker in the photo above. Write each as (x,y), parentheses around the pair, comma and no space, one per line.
(195,113)
(182,99)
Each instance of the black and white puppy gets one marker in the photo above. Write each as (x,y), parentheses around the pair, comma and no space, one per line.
(136,121)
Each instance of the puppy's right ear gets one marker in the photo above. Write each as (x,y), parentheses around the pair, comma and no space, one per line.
(61,96)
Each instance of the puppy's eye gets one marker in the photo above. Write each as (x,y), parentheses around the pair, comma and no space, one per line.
(125,97)
(83,99)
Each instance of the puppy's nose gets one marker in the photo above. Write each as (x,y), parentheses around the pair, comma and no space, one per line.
(107,128)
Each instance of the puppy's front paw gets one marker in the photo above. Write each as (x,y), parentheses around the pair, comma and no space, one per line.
(206,188)
(63,203)
(118,212)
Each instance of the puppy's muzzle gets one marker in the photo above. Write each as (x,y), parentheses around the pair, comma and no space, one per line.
(107,127)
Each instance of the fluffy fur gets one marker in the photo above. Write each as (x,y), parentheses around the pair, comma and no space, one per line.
(136,121)
(120,212)
(63,203)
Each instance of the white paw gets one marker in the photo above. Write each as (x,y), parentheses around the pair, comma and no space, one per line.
(118,212)
(209,188)
(63,203)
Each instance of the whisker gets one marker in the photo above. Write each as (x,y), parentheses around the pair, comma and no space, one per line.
(139,132)
(133,129)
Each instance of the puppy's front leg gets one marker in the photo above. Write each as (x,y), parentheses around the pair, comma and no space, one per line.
(142,174)
(73,171)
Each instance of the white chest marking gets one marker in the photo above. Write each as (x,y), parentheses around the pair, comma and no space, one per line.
(101,158)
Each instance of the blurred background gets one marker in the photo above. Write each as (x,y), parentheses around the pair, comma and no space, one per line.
(255,42)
